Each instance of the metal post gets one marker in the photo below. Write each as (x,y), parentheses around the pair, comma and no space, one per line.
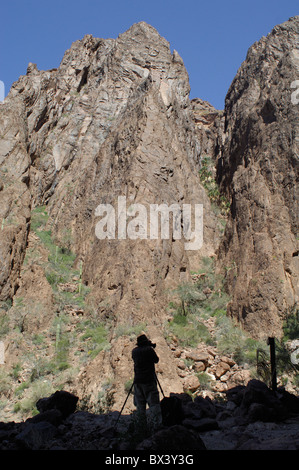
(271,342)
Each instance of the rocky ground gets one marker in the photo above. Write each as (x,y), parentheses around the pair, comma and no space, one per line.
(251,417)
(221,372)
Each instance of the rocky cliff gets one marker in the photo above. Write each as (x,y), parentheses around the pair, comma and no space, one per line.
(114,120)
(258,170)
(113,124)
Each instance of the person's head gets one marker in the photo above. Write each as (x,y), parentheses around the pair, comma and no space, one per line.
(143,340)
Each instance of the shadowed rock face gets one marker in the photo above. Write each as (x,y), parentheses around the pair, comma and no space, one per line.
(258,170)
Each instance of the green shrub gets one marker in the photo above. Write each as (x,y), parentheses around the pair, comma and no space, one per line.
(198,301)
(209,183)
(189,295)
(232,340)
(16,371)
(130,329)
(291,323)
(205,298)
(39,218)
(5,383)
(20,389)
(95,338)
(128,385)
(62,352)
(4,325)
(180,319)
(190,333)
(61,260)
(204,380)
(39,389)
(105,398)
(38,339)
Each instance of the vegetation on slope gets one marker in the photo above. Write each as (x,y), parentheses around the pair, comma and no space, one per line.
(47,359)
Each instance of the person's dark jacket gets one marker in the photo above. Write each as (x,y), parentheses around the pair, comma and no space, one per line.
(144,358)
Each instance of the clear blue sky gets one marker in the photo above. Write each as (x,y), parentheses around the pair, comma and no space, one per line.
(211,36)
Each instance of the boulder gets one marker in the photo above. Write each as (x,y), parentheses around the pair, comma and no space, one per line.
(199,366)
(61,400)
(221,369)
(191,383)
(199,356)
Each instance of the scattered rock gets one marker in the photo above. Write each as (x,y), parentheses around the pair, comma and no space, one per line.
(199,356)
(221,369)
(199,366)
(191,383)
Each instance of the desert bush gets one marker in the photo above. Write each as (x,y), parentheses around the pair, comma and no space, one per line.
(5,382)
(130,329)
(291,323)
(204,380)
(20,389)
(39,218)
(27,406)
(4,325)
(105,398)
(189,331)
(232,340)
(95,339)
(207,178)
(60,267)
(205,298)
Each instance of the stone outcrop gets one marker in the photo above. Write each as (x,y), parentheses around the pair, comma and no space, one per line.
(209,127)
(258,171)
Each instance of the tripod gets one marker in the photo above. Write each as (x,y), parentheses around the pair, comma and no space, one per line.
(124,405)
(128,397)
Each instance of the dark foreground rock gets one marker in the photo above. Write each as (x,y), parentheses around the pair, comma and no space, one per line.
(62,401)
(171,439)
(253,418)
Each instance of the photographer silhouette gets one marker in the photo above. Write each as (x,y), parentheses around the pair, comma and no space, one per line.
(145,383)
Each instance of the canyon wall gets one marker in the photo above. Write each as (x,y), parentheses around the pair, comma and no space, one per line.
(258,171)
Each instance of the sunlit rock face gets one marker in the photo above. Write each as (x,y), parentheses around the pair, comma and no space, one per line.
(258,169)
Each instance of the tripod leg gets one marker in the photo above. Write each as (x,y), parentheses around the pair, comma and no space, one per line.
(159,385)
(123,406)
